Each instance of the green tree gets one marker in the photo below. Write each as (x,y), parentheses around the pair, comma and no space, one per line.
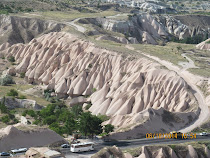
(3,108)
(89,124)
(77,110)
(108,128)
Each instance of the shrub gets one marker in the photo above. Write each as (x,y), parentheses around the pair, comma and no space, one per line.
(13,93)
(11,59)
(108,128)
(22,75)
(3,108)
(88,106)
(5,119)
(6,80)
(103,117)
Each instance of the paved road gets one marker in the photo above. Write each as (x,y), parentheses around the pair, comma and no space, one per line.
(123,144)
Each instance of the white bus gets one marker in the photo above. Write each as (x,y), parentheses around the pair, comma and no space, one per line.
(87,146)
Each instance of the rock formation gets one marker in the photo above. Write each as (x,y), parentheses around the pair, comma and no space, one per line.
(155,152)
(205,45)
(152,28)
(11,137)
(22,30)
(127,89)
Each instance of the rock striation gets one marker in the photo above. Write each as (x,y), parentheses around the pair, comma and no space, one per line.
(150,29)
(122,87)
(205,45)
(11,138)
(155,152)
(22,30)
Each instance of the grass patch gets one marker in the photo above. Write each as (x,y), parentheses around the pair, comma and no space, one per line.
(201,72)
(170,52)
(70,15)
(5,89)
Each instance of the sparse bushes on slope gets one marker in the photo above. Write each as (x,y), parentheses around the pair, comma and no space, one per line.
(12,93)
(11,59)
(6,80)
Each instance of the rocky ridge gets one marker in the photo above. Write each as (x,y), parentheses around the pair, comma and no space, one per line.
(187,151)
(150,29)
(11,137)
(22,30)
(122,87)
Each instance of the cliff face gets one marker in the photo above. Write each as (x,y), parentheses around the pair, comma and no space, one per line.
(22,30)
(153,28)
(121,87)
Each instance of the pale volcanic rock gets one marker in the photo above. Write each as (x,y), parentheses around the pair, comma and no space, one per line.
(125,86)
(144,153)
(191,152)
(205,45)
(160,154)
(207,151)
(128,155)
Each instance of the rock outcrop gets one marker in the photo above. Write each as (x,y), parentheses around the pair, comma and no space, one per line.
(155,152)
(13,103)
(153,28)
(11,137)
(119,86)
(22,30)
(205,45)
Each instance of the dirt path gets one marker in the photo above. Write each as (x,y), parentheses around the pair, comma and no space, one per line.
(78,27)
(204,114)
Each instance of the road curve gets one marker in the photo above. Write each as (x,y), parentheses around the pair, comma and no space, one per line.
(204,113)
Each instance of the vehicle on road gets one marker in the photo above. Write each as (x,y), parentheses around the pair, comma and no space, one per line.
(19,150)
(65,146)
(203,134)
(87,146)
(5,154)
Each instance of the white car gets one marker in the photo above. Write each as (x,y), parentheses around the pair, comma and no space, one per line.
(203,134)
(19,150)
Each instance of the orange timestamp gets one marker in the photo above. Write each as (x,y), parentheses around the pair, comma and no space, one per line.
(172,135)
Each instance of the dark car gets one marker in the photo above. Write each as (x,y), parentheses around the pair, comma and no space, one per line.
(5,154)
(65,146)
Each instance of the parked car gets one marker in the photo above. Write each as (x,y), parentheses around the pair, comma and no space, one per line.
(19,150)
(5,154)
(203,134)
(65,146)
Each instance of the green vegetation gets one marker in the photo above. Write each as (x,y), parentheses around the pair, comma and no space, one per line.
(6,80)
(170,52)
(208,42)
(64,120)
(191,40)
(12,93)
(90,124)
(88,106)
(8,117)
(108,128)
(103,117)
(11,59)
(70,15)
(22,75)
